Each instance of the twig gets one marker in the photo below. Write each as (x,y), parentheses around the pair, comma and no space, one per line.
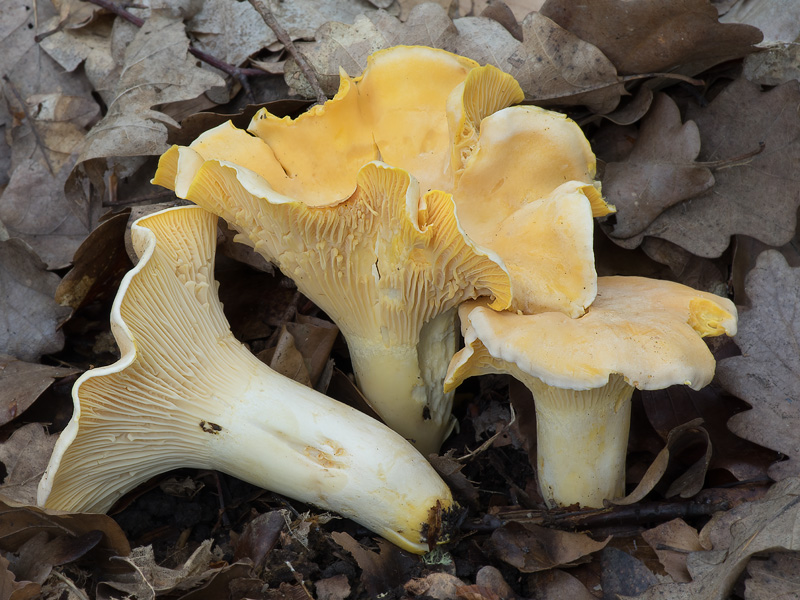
(31,122)
(600,517)
(239,73)
(284,39)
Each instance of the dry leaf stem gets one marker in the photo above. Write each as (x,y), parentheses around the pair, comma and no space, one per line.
(284,39)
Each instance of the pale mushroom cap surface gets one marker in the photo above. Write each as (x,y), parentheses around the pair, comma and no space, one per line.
(648,331)
(527,191)
(186,393)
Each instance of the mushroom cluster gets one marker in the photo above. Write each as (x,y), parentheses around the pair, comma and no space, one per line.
(374,204)
(506,210)
(420,192)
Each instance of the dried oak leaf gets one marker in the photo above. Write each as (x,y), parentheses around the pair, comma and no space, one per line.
(25,456)
(29,317)
(552,65)
(21,383)
(658,173)
(765,525)
(767,375)
(41,160)
(672,541)
(156,70)
(756,194)
(531,548)
(775,577)
(655,35)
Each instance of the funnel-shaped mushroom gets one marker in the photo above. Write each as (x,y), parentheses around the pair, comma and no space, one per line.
(387,265)
(525,189)
(186,393)
(638,333)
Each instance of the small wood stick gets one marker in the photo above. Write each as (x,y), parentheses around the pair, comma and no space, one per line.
(283,38)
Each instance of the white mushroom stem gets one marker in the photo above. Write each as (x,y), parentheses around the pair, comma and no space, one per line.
(186,393)
(582,440)
(409,380)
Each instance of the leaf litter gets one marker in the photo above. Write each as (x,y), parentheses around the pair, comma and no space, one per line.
(93,98)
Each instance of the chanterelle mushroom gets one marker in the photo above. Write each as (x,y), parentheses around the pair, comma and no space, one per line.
(186,393)
(525,189)
(638,333)
(388,265)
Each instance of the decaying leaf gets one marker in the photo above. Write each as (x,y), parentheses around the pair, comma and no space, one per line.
(556,584)
(687,484)
(29,317)
(532,548)
(383,570)
(20,523)
(25,456)
(623,574)
(11,589)
(775,577)
(98,265)
(552,65)
(659,172)
(755,193)
(768,372)
(156,70)
(656,35)
(259,537)
(21,383)
(769,524)
(148,578)
(441,586)
(672,542)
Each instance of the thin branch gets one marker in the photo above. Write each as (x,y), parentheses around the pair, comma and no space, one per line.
(31,122)
(284,39)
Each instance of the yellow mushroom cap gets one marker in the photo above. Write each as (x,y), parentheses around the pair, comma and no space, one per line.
(647,331)
(527,192)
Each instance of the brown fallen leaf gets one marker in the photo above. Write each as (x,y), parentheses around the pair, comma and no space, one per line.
(332,588)
(659,172)
(766,374)
(756,193)
(21,383)
(20,523)
(672,541)
(98,265)
(148,579)
(556,584)
(764,525)
(778,20)
(623,574)
(156,70)
(29,317)
(25,456)
(35,559)
(382,571)
(441,586)
(259,537)
(530,548)
(666,409)
(655,36)
(775,577)
(687,484)
(11,589)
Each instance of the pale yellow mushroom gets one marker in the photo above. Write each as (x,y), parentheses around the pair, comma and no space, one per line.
(186,393)
(639,333)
